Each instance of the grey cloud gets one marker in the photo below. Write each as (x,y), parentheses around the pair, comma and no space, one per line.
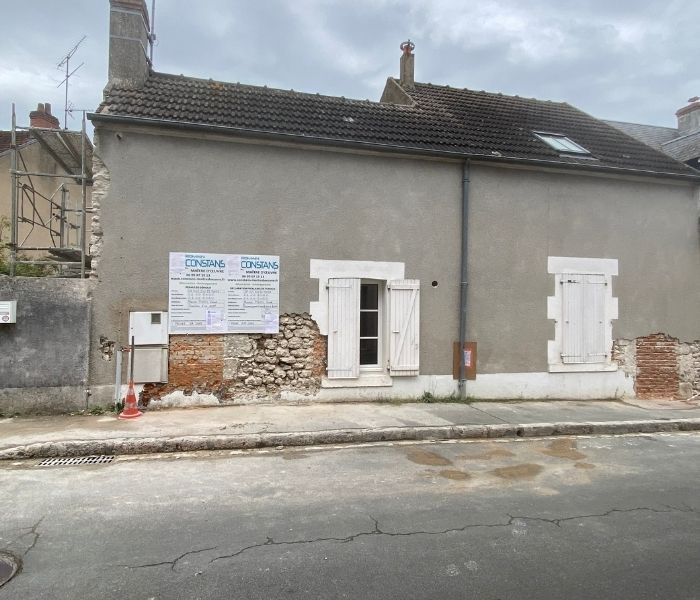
(625,60)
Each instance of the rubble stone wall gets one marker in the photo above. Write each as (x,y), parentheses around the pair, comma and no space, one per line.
(239,367)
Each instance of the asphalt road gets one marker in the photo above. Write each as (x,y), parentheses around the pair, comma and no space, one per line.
(585,518)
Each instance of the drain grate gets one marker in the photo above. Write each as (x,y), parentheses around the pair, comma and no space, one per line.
(76,460)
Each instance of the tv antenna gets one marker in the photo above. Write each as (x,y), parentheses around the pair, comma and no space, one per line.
(65,63)
(152,32)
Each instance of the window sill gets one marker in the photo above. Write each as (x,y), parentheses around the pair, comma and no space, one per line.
(364,380)
(582,367)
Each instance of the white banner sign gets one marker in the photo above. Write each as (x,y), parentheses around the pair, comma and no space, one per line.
(223,293)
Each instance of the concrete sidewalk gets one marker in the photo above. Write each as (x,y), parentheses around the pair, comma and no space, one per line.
(251,426)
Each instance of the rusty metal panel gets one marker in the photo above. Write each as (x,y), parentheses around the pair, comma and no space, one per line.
(469,356)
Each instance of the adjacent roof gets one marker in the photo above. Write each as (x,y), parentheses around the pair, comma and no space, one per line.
(440,119)
(6,139)
(652,135)
(64,147)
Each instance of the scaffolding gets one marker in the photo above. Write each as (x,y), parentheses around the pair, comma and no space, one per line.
(59,220)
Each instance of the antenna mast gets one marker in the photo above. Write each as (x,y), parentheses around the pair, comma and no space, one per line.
(152,32)
(65,63)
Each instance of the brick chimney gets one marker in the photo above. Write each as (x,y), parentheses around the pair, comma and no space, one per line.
(129,31)
(689,117)
(407,79)
(42,117)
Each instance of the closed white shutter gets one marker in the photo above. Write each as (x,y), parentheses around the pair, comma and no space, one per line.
(343,328)
(583,322)
(404,326)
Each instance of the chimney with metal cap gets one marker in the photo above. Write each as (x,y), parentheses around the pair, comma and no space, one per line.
(42,117)
(129,32)
(407,79)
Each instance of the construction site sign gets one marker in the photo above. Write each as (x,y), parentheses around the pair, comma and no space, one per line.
(223,293)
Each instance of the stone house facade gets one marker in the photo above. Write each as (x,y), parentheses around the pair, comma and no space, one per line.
(566,250)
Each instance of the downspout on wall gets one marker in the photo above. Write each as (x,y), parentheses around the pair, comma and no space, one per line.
(463,278)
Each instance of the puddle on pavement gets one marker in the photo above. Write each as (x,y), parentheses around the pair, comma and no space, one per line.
(454,475)
(584,465)
(563,448)
(426,457)
(524,471)
(488,454)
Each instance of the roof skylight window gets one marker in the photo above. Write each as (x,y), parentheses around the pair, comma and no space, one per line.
(561,143)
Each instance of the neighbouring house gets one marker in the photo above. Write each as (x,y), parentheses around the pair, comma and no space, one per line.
(682,142)
(564,253)
(43,148)
(44,319)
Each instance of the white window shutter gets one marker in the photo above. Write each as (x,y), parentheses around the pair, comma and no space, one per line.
(343,328)
(595,350)
(583,318)
(404,327)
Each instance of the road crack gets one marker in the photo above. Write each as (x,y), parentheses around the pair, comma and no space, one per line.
(172,563)
(558,522)
(378,531)
(33,531)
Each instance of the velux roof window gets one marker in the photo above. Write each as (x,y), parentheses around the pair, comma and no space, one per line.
(561,143)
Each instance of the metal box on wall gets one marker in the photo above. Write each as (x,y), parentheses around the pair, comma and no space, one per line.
(8,311)
(150,364)
(468,354)
(148,328)
(150,332)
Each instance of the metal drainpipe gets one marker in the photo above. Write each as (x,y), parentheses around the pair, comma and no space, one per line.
(463,279)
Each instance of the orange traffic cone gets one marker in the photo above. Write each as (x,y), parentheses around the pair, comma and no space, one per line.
(131,410)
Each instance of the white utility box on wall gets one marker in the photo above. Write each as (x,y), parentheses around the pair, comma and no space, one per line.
(8,311)
(150,333)
(148,328)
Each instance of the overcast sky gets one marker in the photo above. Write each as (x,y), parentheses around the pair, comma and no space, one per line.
(626,60)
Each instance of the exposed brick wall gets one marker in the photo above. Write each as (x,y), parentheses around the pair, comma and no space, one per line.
(196,362)
(657,366)
(237,367)
(661,366)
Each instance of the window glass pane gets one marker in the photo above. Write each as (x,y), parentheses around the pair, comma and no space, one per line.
(369,293)
(562,143)
(368,352)
(571,146)
(369,324)
(555,143)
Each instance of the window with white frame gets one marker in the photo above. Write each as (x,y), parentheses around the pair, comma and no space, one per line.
(583,309)
(371,315)
(371,305)
(561,143)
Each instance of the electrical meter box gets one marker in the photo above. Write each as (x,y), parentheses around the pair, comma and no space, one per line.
(148,328)
(150,333)
(8,311)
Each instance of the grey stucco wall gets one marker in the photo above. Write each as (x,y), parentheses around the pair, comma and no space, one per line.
(44,356)
(183,194)
(519,217)
(186,194)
